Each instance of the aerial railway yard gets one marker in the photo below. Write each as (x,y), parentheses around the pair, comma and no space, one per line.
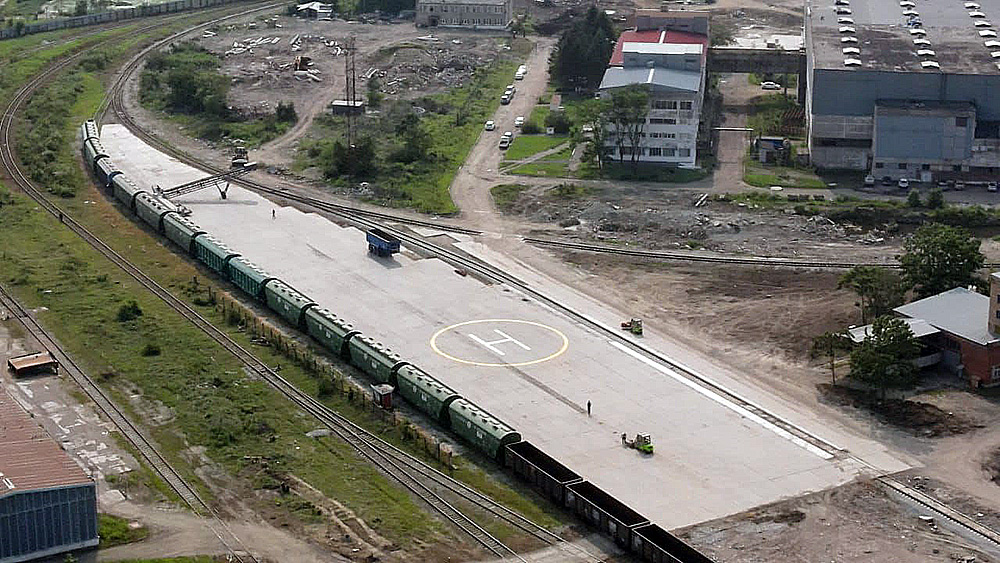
(565,486)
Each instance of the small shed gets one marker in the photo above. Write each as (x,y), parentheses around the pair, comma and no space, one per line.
(382,395)
(32,363)
(772,149)
(347,107)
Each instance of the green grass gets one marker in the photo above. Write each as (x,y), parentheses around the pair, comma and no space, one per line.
(766,116)
(761,176)
(116,531)
(544,169)
(505,195)
(214,404)
(195,559)
(538,115)
(525,146)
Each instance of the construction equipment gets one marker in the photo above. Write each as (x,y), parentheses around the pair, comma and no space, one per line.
(642,442)
(240,158)
(634,326)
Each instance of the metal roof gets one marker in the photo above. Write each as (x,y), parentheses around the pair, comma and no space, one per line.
(918,327)
(960,311)
(658,77)
(662,48)
(29,458)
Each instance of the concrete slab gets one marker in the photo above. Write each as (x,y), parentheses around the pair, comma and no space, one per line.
(525,363)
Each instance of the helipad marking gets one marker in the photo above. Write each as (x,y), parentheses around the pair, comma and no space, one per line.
(492,345)
(556,354)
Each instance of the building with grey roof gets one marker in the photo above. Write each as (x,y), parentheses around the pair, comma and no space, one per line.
(474,14)
(48,505)
(672,66)
(905,89)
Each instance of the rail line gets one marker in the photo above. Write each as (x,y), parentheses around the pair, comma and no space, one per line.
(489,271)
(418,477)
(129,430)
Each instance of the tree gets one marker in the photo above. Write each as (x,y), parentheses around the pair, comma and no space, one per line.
(374,93)
(81,8)
(885,358)
(828,343)
(938,258)
(596,114)
(558,121)
(357,160)
(935,199)
(583,51)
(416,140)
(628,109)
(285,112)
(913,199)
(879,290)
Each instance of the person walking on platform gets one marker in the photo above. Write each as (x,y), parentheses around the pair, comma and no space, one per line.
(588,408)
(274,214)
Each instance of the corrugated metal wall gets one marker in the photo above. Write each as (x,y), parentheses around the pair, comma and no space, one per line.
(38,523)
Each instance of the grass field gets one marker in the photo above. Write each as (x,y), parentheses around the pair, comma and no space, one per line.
(761,176)
(525,146)
(214,405)
(505,195)
(116,531)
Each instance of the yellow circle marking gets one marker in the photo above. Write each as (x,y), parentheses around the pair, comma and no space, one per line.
(556,354)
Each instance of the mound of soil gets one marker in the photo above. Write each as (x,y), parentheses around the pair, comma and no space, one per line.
(992,466)
(922,419)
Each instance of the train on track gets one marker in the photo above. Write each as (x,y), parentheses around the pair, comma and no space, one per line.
(117,14)
(483,431)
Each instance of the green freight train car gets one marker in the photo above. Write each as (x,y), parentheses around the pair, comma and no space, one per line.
(329,330)
(248,277)
(287,302)
(426,393)
(373,358)
(484,431)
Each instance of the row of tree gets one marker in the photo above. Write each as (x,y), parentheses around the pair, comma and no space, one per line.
(936,258)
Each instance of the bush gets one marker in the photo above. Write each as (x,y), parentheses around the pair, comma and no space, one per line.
(935,200)
(150,350)
(913,200)
(286,112)
(530,128)
(129,312)
(558,121)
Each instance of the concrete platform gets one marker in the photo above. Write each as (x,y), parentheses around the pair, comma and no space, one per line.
(529,365)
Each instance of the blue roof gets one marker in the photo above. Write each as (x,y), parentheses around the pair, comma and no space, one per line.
(658,77)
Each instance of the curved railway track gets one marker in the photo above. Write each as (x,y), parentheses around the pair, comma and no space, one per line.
(488,271)
(421,479)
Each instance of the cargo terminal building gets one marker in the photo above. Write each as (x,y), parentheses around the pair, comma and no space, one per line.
(905,89)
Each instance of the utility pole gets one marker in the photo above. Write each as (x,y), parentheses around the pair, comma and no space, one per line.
(351,91)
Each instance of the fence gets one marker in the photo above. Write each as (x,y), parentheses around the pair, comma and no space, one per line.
(331,381)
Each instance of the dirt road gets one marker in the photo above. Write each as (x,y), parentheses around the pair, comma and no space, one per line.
(470,190)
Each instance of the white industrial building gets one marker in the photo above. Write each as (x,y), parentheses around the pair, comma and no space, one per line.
(672,64)
(474,14)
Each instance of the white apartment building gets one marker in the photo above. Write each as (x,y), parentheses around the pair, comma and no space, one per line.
(675,74)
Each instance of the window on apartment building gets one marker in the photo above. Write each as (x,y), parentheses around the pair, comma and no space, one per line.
(925,166)
(669,152)
(686,105)
(879,165)
(998,314)
(656,151)
(659,104)
(998,300)
(672,104)
(961,122)
(901,166)
(956,168)
(684,152)
(995,372)
(670,121)
(670,135)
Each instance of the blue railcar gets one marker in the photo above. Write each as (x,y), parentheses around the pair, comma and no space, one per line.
(483,430)
(213,253)
(248,277)
(381,243)
(330,330)
(181,231)
(152,210)
(289,303)
(424,392)
(125,190)
(374,359)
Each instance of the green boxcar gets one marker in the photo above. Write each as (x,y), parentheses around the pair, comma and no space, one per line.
(213,253)
(329,330)
(426,393)
(182,231)
(287,302)
(248,277)
(484,431)
(373,358)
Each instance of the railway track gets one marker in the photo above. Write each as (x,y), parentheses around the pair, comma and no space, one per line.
(128,429)
(418,477)
(489,271)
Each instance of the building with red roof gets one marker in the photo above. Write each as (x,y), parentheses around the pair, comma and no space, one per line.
(667,52)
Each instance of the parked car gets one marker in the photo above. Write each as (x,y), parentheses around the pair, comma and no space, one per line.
(903,183)
(886,181)
(505,99)
(991,186)
(770,85)
(490,125)
(508,135)
(869,180)
(504,143)
(959,186)
(519,121)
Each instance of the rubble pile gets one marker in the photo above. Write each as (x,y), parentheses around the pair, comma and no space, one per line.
(430,64)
